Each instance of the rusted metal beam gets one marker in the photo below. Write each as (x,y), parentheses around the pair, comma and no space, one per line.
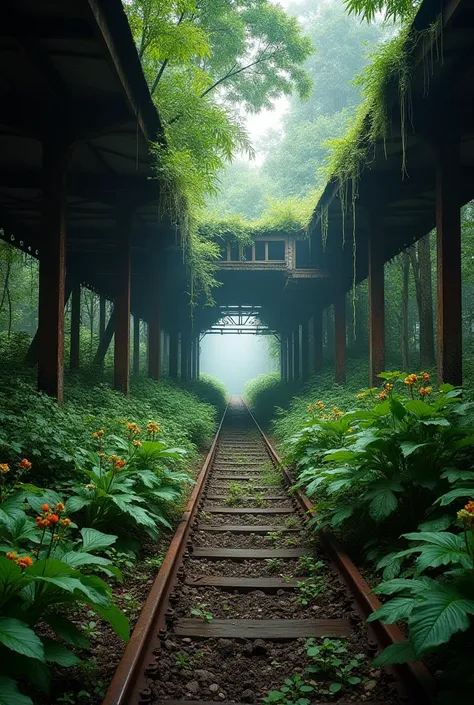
(376,304)
(340,335)
(74,350)
(448,227)
(122,301)
(52,267)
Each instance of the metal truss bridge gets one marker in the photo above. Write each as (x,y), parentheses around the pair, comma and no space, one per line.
(239,320)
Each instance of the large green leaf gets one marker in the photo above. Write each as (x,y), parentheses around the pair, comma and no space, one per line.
(116,619)
(416,587)
(436,619)
(455,494)
(401,652)
(10,695)
(439,548)
(11,577)
(395,609)
(408,447)
(66,630)
(46,497)
(93,540)
(57,653)
(419,408)
(77,559)
(454,474)
(383,503)
(19,637)
(76,503)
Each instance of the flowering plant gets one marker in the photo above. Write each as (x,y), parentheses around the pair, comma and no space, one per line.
(128,481)
(42,562)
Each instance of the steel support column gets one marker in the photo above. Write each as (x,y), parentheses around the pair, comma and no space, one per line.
(448,227)
(376,306)
(318,340)
(52,268)
(75,326)
(122,301)
(173,359)
(340,336)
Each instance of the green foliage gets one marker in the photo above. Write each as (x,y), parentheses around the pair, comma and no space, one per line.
(332,661)
(236,493)
(392,9)
(201,611)
(197,80)
(133,489)
(438,601)
(293,691)
(385,461)
(47,567)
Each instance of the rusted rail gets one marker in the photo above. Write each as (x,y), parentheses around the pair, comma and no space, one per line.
(131,682)
(413,676)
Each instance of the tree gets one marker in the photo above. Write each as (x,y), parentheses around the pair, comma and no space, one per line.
(392,9)
(420,257)
(202,60)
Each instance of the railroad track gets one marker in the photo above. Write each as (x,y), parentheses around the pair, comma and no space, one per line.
(226,619)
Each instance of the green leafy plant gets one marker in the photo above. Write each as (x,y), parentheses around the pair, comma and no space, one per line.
(130,490)
(309,590)
(274,538)
(332,660)
(438,601)
(293,691)
(274,565)
(236,493)
(182,660)
(309,566)
(201,611)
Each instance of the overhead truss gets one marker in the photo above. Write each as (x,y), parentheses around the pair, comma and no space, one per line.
(239,320)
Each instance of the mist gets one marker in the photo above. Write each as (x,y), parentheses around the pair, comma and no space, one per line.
(235,359)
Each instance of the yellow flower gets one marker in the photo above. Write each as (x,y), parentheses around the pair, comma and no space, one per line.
(388,386)
(424,391)
(98,434)
(383,395)
(320,405)
(4,468)
(310,407)
(137,444)
(411,380)
(133,428)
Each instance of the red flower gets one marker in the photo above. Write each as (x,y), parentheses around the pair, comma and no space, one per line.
(53,518)
(45,508)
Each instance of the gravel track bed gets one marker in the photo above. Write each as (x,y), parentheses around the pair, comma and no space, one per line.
(225,669)
(248,519)
(263,504)
(197,567)
(231,540)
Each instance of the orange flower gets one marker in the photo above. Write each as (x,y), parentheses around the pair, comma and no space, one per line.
(4,468)
(45,508)
(66,522)
(133,428)
(25,562)
(25,464)
(383,395)
(426,377)
(11,555)
(411,380)
(310,408)
(137,444)
(98,434)
(424,391)
(116,462)
(53,518)
(59,507)
(388,386)
(42,522)
(152,427)
(469,507)
(320,405)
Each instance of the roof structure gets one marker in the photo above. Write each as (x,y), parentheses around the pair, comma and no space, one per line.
(400,206)
(70,70)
